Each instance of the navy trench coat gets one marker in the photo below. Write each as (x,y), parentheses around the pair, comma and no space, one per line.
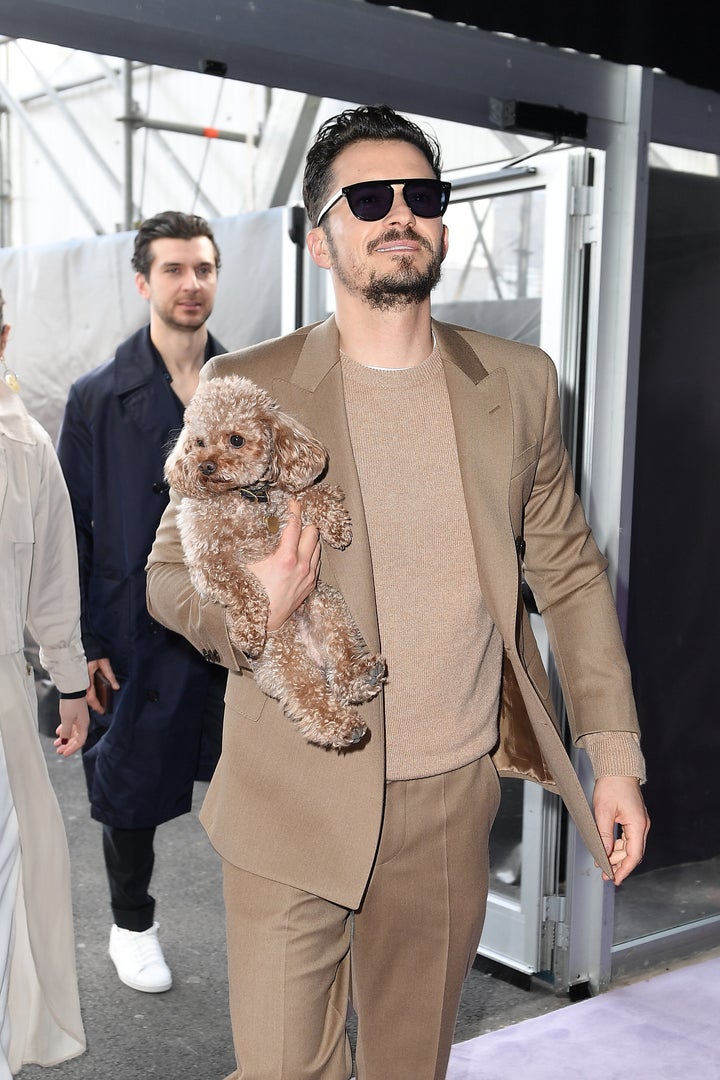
(119,423)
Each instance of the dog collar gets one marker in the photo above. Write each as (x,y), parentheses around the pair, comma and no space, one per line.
(255,493)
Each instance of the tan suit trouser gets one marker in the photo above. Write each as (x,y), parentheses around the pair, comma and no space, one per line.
(412,942)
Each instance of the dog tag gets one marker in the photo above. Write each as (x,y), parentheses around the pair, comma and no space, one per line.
(273,524)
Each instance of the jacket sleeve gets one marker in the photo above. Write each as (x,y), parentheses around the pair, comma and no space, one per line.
(567,574)
(53,599)
(75,452)
(173,601)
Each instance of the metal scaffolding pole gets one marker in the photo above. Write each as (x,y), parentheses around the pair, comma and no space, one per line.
(14,106)
(128,146)
(137,114)
(51,93)
(188,129)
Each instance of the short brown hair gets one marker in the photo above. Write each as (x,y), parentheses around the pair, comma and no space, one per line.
(169,225)
(367,122)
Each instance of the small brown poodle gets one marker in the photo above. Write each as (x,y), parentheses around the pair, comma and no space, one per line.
(237,463)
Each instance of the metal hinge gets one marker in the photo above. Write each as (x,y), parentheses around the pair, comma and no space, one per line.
(554,911)
(582,205)
(581,201)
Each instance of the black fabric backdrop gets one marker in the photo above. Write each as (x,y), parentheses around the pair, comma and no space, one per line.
(677,38)
(674,601)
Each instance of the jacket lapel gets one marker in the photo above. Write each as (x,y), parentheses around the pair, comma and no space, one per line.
(482,415)
(315,392)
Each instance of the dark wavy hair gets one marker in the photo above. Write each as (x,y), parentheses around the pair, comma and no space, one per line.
(169,225)
(368,122)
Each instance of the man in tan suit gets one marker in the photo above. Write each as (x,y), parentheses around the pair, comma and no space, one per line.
(447,444)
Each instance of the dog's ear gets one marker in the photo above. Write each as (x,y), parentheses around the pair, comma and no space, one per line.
(299,458)
(175,471)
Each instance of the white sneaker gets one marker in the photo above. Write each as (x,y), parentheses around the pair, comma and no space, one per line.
(139,960)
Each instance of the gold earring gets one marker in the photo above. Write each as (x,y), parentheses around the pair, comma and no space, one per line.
(9,376)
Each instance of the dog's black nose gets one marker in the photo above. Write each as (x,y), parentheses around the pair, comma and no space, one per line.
(208,468)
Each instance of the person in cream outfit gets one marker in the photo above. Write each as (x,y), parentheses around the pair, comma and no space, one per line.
(40,1019)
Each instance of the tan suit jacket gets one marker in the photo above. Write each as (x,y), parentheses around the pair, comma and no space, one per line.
(310,817)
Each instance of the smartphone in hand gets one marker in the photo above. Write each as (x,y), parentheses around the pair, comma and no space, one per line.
(104,691)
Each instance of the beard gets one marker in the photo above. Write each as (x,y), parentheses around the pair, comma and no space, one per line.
(406,284)
(189,324)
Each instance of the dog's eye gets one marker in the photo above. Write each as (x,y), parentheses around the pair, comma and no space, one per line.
(237,440)
(199,442)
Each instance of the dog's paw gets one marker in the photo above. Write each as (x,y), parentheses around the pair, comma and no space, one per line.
(364,681)
(349,736)
(334,733)
(336,528)
(323,507)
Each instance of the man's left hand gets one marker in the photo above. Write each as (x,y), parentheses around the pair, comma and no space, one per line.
(617,801)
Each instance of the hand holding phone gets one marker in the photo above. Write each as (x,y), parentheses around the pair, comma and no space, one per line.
(103,692)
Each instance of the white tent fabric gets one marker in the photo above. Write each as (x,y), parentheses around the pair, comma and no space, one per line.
(70,304)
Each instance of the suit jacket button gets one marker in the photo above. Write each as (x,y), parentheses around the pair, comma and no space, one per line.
(520,546)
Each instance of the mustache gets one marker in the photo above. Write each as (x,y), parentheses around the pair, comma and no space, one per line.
(393,235)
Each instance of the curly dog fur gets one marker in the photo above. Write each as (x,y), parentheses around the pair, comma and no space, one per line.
(237,463)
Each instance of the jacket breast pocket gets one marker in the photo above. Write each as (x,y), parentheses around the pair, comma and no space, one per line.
(524,460)
(244,699)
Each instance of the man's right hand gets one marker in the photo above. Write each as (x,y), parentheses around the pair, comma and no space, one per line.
(290,574)
(105,668)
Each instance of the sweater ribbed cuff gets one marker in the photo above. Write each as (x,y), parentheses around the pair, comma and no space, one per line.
(614,753)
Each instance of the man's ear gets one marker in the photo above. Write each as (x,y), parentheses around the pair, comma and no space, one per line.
(143,286)
(445,241)
(317,245)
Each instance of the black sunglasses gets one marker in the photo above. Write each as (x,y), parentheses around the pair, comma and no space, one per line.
(371,200)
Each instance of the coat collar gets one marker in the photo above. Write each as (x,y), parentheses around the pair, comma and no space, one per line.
(140,382)
(136,362)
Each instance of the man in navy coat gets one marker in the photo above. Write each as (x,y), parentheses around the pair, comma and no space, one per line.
(163,728)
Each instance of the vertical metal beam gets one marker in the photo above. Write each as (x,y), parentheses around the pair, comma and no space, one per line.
(5,235)
(612,417)
(128,144)
(285,136)
(619,323)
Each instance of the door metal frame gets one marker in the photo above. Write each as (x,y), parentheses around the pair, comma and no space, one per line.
(527,933)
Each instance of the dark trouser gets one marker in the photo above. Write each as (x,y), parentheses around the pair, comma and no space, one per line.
(129,860)
(129,853)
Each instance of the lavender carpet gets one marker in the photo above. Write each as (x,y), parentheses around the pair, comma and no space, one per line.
(663,1028)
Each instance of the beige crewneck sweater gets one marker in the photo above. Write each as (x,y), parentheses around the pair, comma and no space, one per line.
(443,651)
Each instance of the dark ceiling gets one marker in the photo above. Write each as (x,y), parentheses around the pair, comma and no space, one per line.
(677,38)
